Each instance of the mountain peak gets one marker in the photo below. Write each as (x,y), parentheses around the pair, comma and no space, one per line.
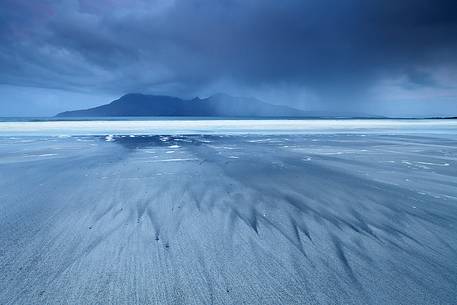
(221,104)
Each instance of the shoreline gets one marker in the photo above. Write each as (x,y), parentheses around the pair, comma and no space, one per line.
(143,127)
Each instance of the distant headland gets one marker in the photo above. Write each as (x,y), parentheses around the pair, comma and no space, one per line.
(219,105)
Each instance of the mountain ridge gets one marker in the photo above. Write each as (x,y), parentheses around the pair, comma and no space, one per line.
(218,105)
(137,104)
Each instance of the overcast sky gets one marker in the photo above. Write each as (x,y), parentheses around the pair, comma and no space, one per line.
(379,56)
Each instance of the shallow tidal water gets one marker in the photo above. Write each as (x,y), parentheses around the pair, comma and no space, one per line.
(356,218)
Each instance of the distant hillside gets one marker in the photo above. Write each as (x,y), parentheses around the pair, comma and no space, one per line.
(156,105)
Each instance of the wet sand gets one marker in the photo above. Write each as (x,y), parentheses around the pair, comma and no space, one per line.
(353,218)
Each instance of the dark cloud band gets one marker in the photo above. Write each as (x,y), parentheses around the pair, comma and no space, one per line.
(332,48)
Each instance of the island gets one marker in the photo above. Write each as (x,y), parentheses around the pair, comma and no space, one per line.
(219,105)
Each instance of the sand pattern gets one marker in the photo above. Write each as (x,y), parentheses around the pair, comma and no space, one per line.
(229,219)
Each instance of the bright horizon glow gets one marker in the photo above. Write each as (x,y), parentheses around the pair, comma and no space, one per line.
(173,127)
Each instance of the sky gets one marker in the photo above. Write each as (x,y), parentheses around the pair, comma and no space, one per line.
(382,57)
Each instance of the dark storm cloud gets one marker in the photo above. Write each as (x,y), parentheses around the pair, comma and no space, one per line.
(337,50)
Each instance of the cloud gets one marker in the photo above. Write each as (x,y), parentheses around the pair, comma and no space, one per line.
(333,51)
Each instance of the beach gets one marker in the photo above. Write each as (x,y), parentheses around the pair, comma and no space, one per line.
(298,212)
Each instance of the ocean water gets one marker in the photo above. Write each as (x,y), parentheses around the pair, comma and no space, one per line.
(228,212)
